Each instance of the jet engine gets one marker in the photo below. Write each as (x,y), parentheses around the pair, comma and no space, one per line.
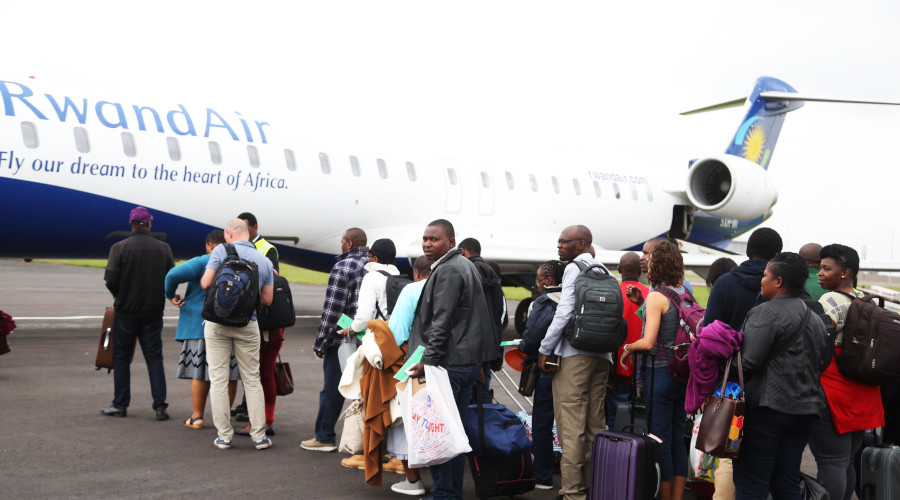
(730,187)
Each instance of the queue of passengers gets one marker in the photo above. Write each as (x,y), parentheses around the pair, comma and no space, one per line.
(789,330)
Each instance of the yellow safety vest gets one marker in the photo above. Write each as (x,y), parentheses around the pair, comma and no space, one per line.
(264,246)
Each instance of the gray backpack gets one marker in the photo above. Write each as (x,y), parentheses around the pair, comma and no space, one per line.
(597,324)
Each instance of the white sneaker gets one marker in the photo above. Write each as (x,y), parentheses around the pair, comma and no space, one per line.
(407,488)
(543,486)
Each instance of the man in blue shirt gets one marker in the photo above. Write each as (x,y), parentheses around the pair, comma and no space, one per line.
(244,340)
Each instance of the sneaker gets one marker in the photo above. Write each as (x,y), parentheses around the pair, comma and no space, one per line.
(354,462)
(263,443)
(407,488)
(543,486)
(314,445)
(394,465)
(222,444)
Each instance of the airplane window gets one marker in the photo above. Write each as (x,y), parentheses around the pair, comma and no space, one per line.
(81,140)
(128,144)
(555,184)
(174,149)
(485,179)
(616,190)
(382,168)
(597,188)
(324,163)
(411,171)
(649,193)
(253,154)
(215,153)
(533,181)
(577,187)
(354,166)
(29,135)
(509,181)
(633,192)
(289,160)
(451,176)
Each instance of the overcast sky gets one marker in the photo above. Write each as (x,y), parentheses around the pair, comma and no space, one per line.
(587,82)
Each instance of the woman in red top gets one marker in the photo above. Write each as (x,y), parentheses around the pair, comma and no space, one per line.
(851,407)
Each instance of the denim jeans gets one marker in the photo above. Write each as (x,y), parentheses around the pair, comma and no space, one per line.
(148,332)
(447,478)
(542,430)
(771,450)
(668,423)
(617,395)
(330,399)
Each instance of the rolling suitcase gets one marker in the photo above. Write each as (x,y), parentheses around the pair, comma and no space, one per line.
(880,473)
(625,465)
(105,346)
(502,475)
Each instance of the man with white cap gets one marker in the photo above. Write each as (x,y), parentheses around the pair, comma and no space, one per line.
(135,275)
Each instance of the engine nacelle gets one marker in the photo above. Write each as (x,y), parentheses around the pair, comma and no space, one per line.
(730,187)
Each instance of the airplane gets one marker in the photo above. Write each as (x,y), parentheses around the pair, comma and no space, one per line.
(72,167)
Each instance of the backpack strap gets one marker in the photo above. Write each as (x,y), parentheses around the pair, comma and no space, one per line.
(378,314)
(230,250)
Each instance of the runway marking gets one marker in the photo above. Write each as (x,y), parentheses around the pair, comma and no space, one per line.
(70,318)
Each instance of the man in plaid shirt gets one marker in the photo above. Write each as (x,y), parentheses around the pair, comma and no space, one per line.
(340,298)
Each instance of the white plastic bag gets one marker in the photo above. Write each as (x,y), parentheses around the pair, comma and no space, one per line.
(431,420)
(703,465)
(344,352)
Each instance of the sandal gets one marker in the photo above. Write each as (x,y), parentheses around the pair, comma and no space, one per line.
(191,422)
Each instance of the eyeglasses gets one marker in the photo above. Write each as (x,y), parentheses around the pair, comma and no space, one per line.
(562,242)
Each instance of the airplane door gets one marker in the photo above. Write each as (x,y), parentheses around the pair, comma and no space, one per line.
(485,189)
(454,189)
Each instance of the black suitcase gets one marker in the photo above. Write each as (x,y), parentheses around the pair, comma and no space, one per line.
(502,475)
(880,473)
(625,465)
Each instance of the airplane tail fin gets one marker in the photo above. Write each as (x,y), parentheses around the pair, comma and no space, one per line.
(755,138)
(767,106)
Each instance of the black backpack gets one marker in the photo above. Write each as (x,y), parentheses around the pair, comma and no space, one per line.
(234,293)
(392,288)
(871,347)
(280,313)
(597,324)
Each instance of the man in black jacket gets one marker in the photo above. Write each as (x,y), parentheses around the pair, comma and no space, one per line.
(496,302)
(453,324)
(135,275)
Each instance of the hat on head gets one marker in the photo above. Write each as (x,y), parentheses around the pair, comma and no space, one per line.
(140,215)
(384,249)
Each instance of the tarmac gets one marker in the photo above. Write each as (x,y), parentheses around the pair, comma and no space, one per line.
(56,444)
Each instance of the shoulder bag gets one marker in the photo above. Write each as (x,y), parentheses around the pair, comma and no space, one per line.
(722,425)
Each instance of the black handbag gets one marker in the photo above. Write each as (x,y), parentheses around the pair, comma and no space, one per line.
(530,374)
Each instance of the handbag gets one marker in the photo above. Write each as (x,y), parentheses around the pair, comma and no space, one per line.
(722,426)
(352,435)
(284,381)
(530,374)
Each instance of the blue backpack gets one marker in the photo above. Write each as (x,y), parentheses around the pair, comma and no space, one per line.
(234,293)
